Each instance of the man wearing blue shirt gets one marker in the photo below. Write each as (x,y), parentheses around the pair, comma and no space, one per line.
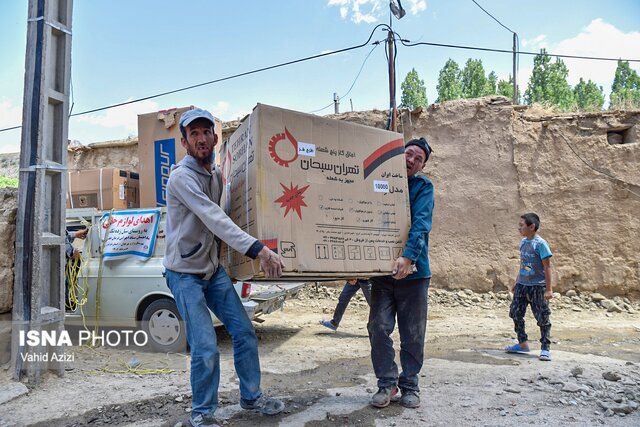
(404,295)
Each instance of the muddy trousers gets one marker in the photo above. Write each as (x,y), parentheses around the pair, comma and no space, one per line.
(345,297)
(406,301)
(194,297)
(534,296)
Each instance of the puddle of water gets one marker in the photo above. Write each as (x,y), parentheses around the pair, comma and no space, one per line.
(471,356)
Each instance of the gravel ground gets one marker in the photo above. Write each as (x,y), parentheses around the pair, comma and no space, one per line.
(326,379)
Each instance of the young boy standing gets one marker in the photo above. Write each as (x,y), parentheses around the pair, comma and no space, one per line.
(533,286)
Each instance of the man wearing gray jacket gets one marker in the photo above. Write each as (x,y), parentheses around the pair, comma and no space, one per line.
(198,283)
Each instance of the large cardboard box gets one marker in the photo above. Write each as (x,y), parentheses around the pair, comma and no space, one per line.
(105,188)
(329,196)
(159,148)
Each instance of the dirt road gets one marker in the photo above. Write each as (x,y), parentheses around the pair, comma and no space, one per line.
(326,378)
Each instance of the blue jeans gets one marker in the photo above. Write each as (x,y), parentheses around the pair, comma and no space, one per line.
(406,300)
(194,298)
(345,296)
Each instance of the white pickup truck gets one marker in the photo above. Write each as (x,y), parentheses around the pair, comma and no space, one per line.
(134,293)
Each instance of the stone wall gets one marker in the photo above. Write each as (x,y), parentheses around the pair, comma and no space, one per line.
(492,162)
(8,209)
(587,190)
(116,154)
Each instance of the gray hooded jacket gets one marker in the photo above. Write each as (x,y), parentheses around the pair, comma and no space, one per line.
(195,219)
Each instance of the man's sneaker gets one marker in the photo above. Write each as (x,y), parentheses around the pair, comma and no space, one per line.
(383,397)
(328,324)
(203,420)
(266,405)
(410,399)
(545,355)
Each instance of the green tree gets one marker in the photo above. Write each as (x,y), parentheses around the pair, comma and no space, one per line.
(8,182)
(492,83)
(625,91)
(588,96)
(414,93)
(474,80)
(505,88)
(548,83)
(449,82)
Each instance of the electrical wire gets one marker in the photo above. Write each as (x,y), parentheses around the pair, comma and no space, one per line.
(517,47)
(613,178)
(72,100)
(246,73)
(375,45)
(404,42)
(11,128)
(494,18)
(234,76)
(408,43)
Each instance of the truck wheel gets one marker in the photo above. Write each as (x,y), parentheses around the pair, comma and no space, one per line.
(164,326)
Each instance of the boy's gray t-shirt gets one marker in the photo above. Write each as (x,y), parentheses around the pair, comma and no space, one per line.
(532,252)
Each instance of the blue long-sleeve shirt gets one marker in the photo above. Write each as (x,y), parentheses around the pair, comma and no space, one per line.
(421,205)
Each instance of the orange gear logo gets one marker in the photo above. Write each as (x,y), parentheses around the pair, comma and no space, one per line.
(273,142)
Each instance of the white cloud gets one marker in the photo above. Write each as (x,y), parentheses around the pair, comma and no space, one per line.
(125,116)
(535,44)
(369,11)
(524,74)
(10,116)
(238,114)
(417,6)
(219,110)
(367,17)
(598,39)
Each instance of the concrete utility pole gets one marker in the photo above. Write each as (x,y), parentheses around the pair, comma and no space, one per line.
(392,83)
(515,83)
(336,103)
(38,303)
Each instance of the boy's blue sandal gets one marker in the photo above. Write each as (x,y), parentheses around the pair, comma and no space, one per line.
(545,355)
(516,349)
(328,324)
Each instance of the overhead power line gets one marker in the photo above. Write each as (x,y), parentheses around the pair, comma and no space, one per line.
(234,76)
(404,42)
(494,18)
(375,45)
(11,128)
(246,73)
(408,43)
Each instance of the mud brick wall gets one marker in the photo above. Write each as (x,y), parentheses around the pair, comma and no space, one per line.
(8,209)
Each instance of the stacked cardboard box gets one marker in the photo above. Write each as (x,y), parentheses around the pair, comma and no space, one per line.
(159,148)
(329,196)
(105,188)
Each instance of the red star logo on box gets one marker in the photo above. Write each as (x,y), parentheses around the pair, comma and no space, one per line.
(292,199)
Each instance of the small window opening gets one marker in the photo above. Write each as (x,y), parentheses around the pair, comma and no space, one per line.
(620,136)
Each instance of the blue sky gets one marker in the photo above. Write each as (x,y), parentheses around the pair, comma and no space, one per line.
(125,49)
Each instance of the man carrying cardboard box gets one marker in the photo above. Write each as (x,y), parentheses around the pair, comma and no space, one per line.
(198,283)
(404,294)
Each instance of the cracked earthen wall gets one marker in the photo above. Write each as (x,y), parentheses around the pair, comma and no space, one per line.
(8,209)
(491,163)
